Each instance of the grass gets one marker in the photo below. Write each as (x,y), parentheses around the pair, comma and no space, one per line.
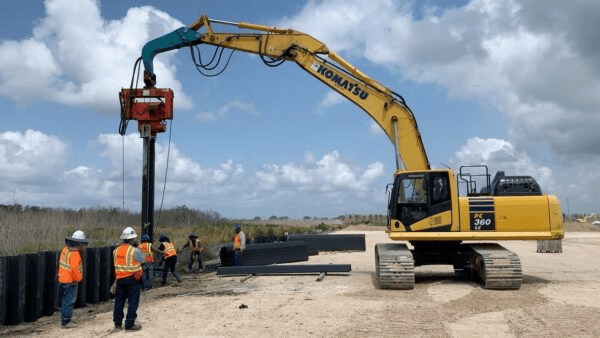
(32,229)
(213,236)
(28,230)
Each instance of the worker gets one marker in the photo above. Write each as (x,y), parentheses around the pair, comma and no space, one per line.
(148,265)
(239,244)
(70,274)
(128,261)
(195,250)
(170,256)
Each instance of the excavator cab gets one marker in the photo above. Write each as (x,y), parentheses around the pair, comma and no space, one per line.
(416,196)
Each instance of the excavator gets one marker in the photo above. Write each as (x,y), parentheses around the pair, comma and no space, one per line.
(430,221)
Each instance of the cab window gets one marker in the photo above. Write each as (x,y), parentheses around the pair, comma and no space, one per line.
(440,193)
(412,199)
(413,190)
(418,196)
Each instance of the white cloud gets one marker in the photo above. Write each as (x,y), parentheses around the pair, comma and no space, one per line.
(34,170)
(31,157)
(486,50)
(498,154)
(76,57)
(501,155)
(537,63)
(231,107)
(331,98)
(321,185)
(328,174)
(375,129)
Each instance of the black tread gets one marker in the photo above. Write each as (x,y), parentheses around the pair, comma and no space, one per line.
(498,267)
(395,268)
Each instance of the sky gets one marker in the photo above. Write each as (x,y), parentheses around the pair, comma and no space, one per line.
(513,84)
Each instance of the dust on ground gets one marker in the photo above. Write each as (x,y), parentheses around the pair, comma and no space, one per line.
(560,296)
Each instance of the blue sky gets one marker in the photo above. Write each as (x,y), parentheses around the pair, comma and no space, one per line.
(513,85)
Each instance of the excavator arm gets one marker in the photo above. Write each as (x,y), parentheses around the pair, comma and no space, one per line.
(387,108)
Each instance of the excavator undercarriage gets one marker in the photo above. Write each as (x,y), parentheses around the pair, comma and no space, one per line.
(495,266)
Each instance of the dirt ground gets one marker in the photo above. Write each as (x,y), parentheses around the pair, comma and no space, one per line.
(560,297)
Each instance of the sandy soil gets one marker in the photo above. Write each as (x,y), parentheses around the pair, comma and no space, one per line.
(560,297)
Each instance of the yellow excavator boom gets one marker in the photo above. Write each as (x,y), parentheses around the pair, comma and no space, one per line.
(387,108)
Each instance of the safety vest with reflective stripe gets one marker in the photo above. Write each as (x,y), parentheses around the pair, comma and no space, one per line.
(194,244)
(237,242)
(125,263)
(169,249)
(69,266)
(146,248)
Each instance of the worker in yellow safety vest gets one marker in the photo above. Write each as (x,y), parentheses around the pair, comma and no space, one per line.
(128,273)
(170,256)
(70,274)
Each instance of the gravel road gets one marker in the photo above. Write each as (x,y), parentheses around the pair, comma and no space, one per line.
(560,297)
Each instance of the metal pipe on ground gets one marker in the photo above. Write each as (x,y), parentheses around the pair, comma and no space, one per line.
(267,253)
(325,242)
(283,269)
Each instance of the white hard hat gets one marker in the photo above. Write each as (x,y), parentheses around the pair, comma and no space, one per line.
(128,233)
(78,236)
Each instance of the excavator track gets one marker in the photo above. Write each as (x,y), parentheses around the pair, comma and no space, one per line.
(498,267)
(395,266)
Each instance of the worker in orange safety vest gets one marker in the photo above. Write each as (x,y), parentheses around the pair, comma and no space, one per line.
(128,273)
(239,244)
(170,256)
(196,249)
(70,274)
(148,265)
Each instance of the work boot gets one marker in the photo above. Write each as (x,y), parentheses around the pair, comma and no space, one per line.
(69,325)
(133,327)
